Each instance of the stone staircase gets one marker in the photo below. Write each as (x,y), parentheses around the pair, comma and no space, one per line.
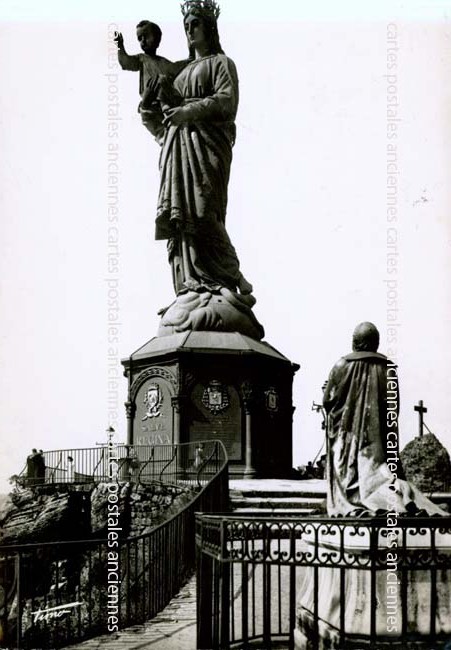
(277,497)
(291,497)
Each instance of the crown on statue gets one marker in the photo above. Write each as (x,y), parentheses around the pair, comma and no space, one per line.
(208,8)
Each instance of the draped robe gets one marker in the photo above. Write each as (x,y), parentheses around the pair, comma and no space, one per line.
(195,168)
(364,473)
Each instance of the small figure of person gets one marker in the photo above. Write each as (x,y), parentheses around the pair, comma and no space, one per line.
(310,470)
(150,66)
(199,456)
(70,470)
(32,467)
(321,467)
(40,467)
(133,465)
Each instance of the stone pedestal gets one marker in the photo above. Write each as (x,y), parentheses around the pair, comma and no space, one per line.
(198,386)
(361,591)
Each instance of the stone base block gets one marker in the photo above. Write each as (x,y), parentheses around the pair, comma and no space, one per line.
(377,584)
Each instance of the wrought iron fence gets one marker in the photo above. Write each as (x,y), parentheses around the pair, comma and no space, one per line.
(192,463)
(62,592)
(313,584)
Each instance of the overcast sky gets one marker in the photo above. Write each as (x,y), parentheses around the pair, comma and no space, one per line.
(307,202)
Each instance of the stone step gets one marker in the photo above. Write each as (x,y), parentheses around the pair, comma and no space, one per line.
(281,497)
(259,496)
(278,487)
(266,512)
(440,497)
(276,494)
(285,503)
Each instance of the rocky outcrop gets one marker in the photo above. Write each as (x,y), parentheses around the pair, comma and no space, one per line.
(57,514)
(63,513)
(427,464)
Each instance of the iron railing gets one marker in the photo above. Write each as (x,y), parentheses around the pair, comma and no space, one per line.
(63,592)
(170,463)
(259,579)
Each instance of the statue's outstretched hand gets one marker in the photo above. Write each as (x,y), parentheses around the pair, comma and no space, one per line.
(118,39)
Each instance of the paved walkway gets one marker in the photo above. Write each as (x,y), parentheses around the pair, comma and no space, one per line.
(174,628)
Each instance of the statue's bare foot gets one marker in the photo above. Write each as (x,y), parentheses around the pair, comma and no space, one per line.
(244,286)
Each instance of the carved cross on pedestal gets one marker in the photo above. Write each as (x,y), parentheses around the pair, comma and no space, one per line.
(421,409)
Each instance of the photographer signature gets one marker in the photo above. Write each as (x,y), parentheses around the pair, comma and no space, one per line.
(53,613)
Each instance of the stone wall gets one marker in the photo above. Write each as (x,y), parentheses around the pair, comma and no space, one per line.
(99,508)
(153,504)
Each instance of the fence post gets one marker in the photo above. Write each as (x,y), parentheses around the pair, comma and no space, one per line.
(224,581)
(204,595)
(19,599)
